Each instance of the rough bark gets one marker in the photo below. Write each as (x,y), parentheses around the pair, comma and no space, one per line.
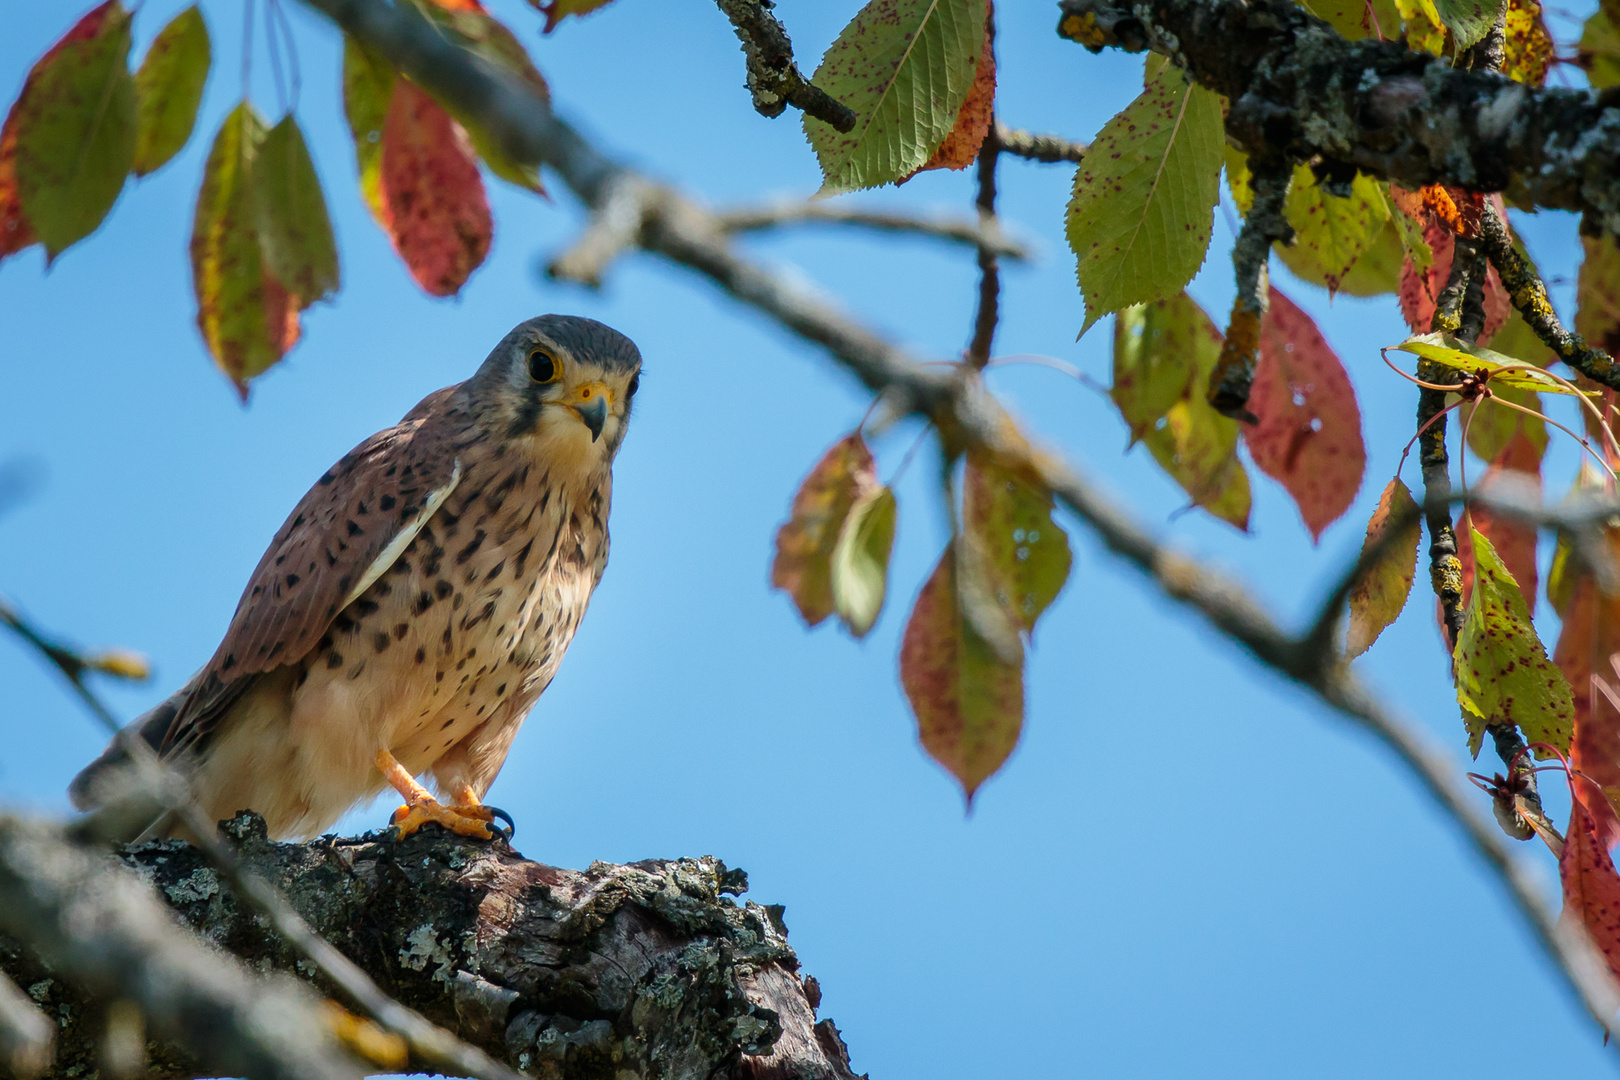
(1299,89)
(618,972)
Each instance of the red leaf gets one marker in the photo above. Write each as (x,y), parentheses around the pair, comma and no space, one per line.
(15,232)
(1513,540)
(961,146)
(438,215)
(1420,291)
(1591,885)
(1381,593)
(1309,434)
(968,700)
(1589,637)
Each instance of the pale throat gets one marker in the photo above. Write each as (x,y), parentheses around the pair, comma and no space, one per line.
(562,445)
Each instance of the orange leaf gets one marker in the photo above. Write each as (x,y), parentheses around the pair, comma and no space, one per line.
(1591,885)
(1382,591)
(437,213)
(804,546)
(969,702)
(961,146)
(1309,434)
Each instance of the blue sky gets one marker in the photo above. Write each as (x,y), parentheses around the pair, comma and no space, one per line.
(1187,867)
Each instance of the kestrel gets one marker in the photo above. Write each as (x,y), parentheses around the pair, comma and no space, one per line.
(415,604)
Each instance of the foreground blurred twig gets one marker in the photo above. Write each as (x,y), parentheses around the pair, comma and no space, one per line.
(680,230)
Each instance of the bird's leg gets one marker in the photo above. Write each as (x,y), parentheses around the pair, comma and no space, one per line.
(465,817)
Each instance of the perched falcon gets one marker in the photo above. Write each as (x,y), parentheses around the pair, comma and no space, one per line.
(416,602)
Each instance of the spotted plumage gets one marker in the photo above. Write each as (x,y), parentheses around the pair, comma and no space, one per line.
(417,601)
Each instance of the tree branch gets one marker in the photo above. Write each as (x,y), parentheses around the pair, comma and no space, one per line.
(647,970)
(27,1036)
(988,311)
(1299,89)
(965,416)
(773,77)
(1050,149)
(1265,224)
(977,234)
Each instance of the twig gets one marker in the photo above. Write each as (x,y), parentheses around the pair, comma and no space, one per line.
(773,77)
(978,234)
(27,1036)
(612,230)
(1050,149)
(988,311)
(156,783)
(1233,376)
(686,234)
(1529,295)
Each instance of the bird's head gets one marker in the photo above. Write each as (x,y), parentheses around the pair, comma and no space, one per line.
(562,384)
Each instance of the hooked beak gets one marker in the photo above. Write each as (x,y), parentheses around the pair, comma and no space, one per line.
(592,411)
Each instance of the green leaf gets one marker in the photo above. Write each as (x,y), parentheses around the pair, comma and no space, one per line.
(1159,349)
(1381,593)
(1356,19)
(1469,20)
(1197,446)
(1026,553)
(1503,674)
(1460,355)
(76,131)
(968,700)
(294,229)
(1597,296)
(1144,198)
(1332,232)
(860,560)
(904,67)
(804,546)
(1378,271)
(1599,50)
(247,318)
(168,89)
(1238,178)
(1494,425)
(368,87)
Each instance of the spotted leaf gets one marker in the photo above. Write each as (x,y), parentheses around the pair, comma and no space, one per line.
(1027,554)
(1503,674)
(968,699)
(168,90)
(1331,232)
(1469,20)
(1587,641)
(1381,593)
(1309,434)
(804,546)
(1586,872)
(961,147)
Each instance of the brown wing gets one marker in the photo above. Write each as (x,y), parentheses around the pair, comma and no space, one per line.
(358,518)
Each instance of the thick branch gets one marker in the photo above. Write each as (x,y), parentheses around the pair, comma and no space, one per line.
(1298,88)
(626,971)
(773,77)
(1265,224)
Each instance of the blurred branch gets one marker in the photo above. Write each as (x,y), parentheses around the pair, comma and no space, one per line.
(100,928)
(74,665)
(1050,149)
(773,77)
(984,235)
(964,415)
(634,972)
(27,1036)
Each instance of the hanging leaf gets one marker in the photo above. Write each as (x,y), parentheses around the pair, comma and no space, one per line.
(1589,638)
(169,88)
(1026,552)
(75,130)
(15,233)
(1381,593)
(437,213)
(294,229)
(558,10)
(1591,886)
(804,546)
(1197,447)
(1597,296)
(1158,350)
(1144,197)
(1503,674)
(859,569)
(1514,540)
(368,87)
(1309,435)
(904,67)
(1528,47)
(969,702)
(1459,355)
(961,147)
(1421,290)
(1598,51)
(1332,232)
(246,317)
(1469,20)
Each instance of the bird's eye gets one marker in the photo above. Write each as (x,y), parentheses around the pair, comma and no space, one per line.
(635,384)
(543,367)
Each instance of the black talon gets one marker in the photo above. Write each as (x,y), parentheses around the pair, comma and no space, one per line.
(511,826)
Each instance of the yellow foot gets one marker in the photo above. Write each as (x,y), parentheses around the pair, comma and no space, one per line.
(470,821)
